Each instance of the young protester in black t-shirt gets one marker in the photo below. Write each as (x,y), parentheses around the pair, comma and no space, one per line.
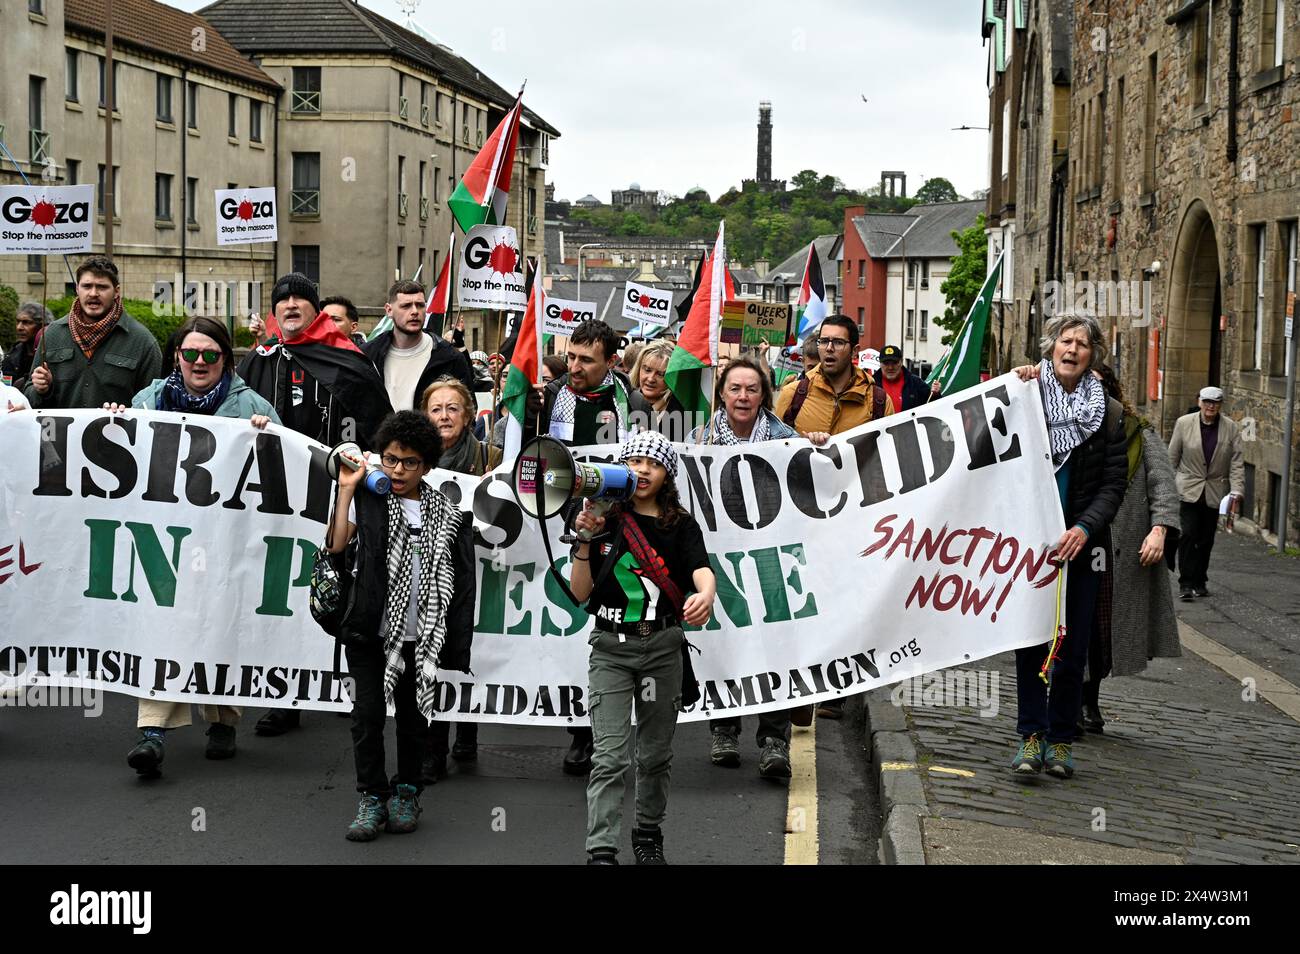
(658,556)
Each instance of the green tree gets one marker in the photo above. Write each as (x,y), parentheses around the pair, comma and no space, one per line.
(937,189)
(8,317)
(805,179)
(969,269)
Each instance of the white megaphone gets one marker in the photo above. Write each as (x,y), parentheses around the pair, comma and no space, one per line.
(546,478)
(350,454)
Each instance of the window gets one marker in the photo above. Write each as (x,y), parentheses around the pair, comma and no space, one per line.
(191,201)
(40,139)
(401,260)
(546,149)
(306,90)
(71,77)
(1271,25)
(862,316)
(254,121)
(908,333)
(1117,143)
(163,112)
(437,107)
(925,324)
(402,200)
(192,105)
(73,174)
(36,264)
(424,104)
(419,262)
(424,197)
(437,175)
(1203,54)
(305,198)
(1256,351)
(36,6)
(116,82)
(1280,354)
(162,197)
(925,278)
(1006,138)
(1098,138)
(306,260)
(403,105)
(232,116)
(911,274)
(1149,134)
(434,275)
(99,191)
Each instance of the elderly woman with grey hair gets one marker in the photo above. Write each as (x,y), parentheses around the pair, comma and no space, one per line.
(29,324)
(1085,431)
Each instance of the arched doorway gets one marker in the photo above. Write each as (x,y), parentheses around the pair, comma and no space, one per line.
(1193,342)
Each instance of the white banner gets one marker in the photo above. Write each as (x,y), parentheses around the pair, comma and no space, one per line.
(246,215)
(491,271)
(168,556)
(648,305)
(560,316)
(45,220)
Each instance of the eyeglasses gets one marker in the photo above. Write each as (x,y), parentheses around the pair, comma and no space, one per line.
(833,342)
(405,463)
(192,355)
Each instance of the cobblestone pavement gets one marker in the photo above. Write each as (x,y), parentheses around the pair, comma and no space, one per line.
(1191,763)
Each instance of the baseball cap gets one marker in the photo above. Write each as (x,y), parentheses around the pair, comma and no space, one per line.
(1212,394)
(891,353)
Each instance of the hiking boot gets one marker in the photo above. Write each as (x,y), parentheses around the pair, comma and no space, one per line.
(148,753)
(221,741)
(602,856)
(278,722)
(725,750)
(371,816)
(774,758)
(1060,760)
(648,846)
(464,751)
(404,810)
(577,761)
(1029,760)
(433,768)
(1186,594)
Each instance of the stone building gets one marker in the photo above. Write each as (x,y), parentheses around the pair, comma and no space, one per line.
(1177,220)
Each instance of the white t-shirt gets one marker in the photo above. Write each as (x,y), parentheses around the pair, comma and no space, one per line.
(411,511)
(402,370)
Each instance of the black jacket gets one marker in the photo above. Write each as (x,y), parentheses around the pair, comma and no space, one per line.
(443,359)
(635,402)
(18,363)
(1098,475)
(915,391)
(369,589)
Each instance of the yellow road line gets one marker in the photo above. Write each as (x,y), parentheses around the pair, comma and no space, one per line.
(801,804)
(962,773)
(1276,690)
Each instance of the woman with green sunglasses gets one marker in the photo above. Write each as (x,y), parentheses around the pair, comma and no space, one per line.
(202,381)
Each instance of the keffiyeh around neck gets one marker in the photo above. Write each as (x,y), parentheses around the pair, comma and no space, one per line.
(723,434)
(564,411)
(89,334)
(1072,417)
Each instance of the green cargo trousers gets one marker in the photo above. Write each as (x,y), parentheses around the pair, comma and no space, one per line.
(645,671)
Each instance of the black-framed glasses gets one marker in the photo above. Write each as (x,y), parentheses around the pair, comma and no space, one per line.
(405,463)
(833,342)
(209,355)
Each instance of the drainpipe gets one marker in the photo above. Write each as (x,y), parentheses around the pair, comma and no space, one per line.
(185,212)
(1234,76)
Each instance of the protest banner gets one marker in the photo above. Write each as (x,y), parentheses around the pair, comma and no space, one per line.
(764,323)
(491,272)
(246,215)
(561,316)
(168,556)
(45,220)
(647,305)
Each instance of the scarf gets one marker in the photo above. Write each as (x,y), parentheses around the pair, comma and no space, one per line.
(723,434)
(1071,417)
(564,411)
(88,334)
(1133,431)
(464,457)
(174,396)
(439,523)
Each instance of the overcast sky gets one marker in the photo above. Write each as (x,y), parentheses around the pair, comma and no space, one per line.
(665,93)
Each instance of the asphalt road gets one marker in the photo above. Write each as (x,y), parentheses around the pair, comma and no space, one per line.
(70,798)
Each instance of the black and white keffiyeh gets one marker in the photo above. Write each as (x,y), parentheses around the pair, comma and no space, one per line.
(723,434)
(1072,417)
(439,522)
(653,445)
(565,410)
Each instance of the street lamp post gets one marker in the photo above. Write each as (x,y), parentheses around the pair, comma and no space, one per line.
(580,248)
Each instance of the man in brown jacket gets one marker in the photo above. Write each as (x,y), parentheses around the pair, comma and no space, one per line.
(829,399)
(1205,449)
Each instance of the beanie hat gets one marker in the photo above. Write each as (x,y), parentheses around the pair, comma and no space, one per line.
(653,445)
(299,286)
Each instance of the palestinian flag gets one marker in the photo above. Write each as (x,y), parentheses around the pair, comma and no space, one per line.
(439,304)
(481,196)
(690,368)
(960,365)
(525,371)
(811,308)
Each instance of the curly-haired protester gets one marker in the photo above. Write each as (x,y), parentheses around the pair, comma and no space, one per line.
(203,382)
(1085,431)
(411,613)
(658,557)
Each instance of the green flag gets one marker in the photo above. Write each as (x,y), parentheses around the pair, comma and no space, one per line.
(960,365)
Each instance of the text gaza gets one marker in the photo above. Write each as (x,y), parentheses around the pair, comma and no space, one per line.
(261,210)
(568,314)
(17,209)
(645,301)
(478,253)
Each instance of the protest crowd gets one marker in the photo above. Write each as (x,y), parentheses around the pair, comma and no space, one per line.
(407,398)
